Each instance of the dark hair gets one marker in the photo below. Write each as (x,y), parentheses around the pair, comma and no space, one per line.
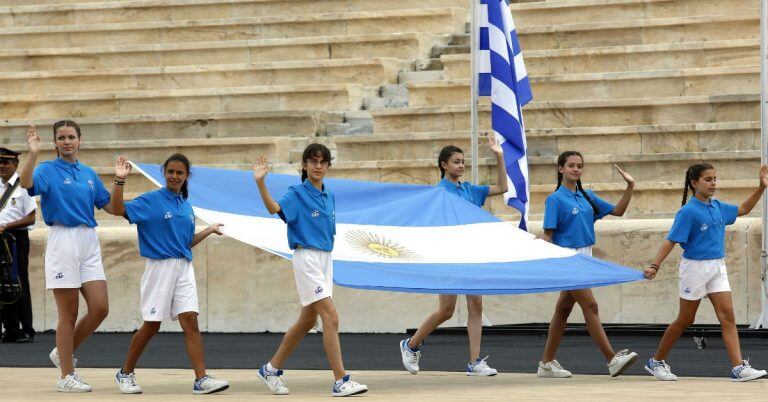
(694,173)
(561,163)
(446,154)
(311,151)
(183,159)
(65,123)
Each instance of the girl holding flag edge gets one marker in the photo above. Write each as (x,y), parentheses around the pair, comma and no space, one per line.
(451,164)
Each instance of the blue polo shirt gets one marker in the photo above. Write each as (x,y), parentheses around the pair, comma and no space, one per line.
(68,192)
(470,192)
(166,224)
(700,228)
(572,218)
(310,215)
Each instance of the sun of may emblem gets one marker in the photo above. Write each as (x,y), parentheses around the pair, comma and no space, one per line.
(379,246)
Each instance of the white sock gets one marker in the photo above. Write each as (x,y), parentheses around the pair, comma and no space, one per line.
(270,368)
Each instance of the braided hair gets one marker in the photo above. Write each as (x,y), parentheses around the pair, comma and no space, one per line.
(579,188)
(694,173)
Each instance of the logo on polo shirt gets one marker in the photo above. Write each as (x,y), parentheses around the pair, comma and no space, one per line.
(67,180)
(575,211)
(90,183)
(315,213)
(59,276)
(319,290)
(168,215)
(704,227)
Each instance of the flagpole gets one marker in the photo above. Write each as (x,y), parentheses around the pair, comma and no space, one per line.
(762,321)
(473,48)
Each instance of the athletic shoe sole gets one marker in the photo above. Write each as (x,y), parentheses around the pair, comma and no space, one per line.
(264,380)
(473,374)
(654,375)
(362,391)
(754,377)
(213,391)
(549,374)
(626,365)
(72,391)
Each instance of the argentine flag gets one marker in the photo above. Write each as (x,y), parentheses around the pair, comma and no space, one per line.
(502,76)
(401,237)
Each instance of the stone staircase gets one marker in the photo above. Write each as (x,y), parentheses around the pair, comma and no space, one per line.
(651,85)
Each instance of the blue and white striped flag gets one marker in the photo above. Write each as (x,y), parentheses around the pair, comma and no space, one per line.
(502,76)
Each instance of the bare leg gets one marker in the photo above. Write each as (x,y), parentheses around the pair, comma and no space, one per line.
(194,342)
(724,310)
(684,319)
(444,312)
(306,321)
(557,326)
(474,325)
(95,295)
(588,306)
(327,312)
(67,301)
(139,341)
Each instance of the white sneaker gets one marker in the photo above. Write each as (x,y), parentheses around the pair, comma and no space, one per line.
(621,362)
(410,357)
(347,387)
(552,369)
(480,368)
(127,382)
(745,372)
(209,384)
(660,370)
(273,380)
(54,356)
(72,383)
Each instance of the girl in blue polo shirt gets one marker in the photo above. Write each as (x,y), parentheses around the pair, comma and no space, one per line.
(166,225)
(699,228)
(69,191)
(451,164)
(570,214)
(308,209)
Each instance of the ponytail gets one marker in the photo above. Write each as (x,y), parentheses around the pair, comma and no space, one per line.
(446,154)
(183,159)
(693,173)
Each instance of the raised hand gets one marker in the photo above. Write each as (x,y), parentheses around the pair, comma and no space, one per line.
(216,228)
(764,176)
(625,175)
(260,168)
(494,144)
(122,167)
(33,140)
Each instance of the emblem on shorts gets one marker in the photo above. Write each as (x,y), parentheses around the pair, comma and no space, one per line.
(575,211)
(90,184)
(153,311)
(168,215)
(13,201)
(319,290)
(379,246)
(315,213)
(687,291)
(704,227)
(67,180)
(59,275)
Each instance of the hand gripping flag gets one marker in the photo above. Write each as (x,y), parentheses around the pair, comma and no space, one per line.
(503,77)
(401,237)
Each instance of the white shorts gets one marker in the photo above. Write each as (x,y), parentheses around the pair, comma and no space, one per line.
(72,257)
(313,270)
(698,278)
(168,289)
(583,250)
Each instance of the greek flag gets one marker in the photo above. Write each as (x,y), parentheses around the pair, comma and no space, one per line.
(502,76)
(401,237)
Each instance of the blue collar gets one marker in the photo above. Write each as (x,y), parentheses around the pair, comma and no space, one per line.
(66,165)
(566,191)
(447,183)
(312,189)
(701,203)
(170,194)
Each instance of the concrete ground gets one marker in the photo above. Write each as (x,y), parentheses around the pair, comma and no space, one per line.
(37,384)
